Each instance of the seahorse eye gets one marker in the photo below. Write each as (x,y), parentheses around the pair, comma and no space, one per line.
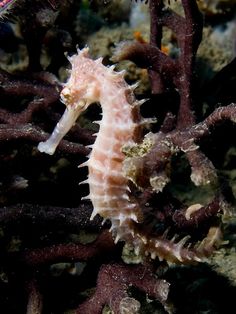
(66,96)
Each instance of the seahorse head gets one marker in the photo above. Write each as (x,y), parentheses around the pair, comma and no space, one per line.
(83,86)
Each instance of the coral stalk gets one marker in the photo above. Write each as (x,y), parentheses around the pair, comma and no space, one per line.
(112,289)
(35,304)
(69,252)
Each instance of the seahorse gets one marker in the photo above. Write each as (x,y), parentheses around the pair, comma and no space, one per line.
(90,81)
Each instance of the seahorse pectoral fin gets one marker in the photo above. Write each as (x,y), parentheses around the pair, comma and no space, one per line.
(66,122)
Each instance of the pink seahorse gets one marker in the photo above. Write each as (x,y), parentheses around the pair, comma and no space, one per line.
(90,81)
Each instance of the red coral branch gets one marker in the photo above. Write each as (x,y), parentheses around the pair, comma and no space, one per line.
(113,283)
(69,252)
(163,68)
(71,219)
(35,134)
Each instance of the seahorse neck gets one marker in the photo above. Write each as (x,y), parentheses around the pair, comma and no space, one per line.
(117,116)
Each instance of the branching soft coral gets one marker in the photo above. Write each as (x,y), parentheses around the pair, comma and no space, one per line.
(180,133)
(38,27)
(113,283)
(27,96)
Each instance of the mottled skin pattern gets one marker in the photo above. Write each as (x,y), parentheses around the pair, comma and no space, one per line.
(90,82)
